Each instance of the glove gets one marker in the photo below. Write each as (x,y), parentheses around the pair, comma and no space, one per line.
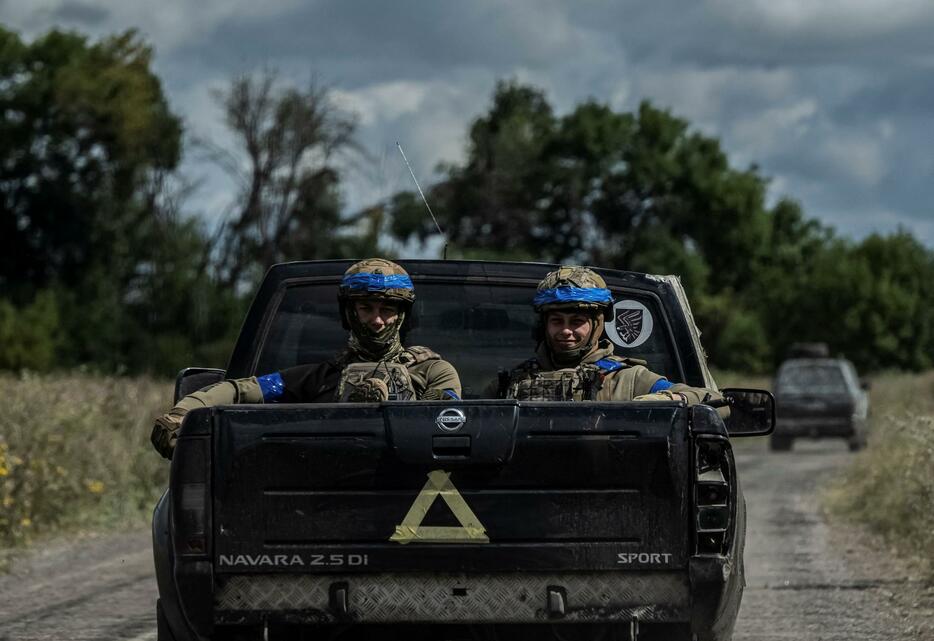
(165,431)
(663,395)
(372,390)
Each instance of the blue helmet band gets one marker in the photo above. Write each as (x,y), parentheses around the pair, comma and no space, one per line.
(567,294)
(365,282)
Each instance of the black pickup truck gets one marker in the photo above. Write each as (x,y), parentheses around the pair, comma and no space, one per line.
(477,518)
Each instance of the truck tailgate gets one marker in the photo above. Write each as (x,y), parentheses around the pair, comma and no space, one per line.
(499,486)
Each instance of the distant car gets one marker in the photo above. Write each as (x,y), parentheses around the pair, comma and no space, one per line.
(817,397)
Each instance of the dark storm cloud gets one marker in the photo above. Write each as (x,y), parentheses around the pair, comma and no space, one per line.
(767,33)
(80,13)
(895,93)
(833,100)
(406,38)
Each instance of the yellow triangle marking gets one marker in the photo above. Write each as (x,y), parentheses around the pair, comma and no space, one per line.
(411,528)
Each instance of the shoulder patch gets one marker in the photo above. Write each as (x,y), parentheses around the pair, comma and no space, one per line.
(615,363)
(418,354)
(609,364)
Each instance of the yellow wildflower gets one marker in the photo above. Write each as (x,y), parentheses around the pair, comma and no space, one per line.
(17,460)
(4,471)
(95,487)
(7,501)
(26,521)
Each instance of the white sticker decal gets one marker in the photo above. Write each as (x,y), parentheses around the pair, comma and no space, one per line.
(631,324)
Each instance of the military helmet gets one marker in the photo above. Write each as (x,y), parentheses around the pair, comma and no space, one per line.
(573,287)
(381,279)
(377,278)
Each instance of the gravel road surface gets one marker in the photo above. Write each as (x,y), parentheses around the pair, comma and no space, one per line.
(100,588)
(810,582)
(806,580)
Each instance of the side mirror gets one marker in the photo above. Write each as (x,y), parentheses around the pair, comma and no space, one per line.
(752,412)
(191,379)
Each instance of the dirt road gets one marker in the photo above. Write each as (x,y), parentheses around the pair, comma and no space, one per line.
(810,582)
(95,588)
(806,581)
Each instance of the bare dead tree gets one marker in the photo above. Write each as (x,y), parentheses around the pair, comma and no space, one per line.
(286,168)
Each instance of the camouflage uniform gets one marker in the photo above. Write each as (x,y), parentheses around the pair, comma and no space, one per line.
(590,371)
(374,366)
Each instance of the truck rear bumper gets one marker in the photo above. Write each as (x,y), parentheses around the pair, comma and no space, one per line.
(656,596)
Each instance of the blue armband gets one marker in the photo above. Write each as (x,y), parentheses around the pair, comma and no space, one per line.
(272,387)
(451,394)
(660,384)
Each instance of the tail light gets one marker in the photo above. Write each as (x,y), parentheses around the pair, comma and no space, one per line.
(191,496)
(714,494)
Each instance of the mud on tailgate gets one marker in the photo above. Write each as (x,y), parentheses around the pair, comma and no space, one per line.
(503,486)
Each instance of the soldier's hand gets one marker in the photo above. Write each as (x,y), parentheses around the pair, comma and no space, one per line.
(165,432)
(663,395)
(372,390)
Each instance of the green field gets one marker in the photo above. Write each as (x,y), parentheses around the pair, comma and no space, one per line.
(75,455)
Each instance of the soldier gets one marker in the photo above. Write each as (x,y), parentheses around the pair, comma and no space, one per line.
(573,361)
(375,299)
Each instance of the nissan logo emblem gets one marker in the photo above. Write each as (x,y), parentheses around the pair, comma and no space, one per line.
(451,419)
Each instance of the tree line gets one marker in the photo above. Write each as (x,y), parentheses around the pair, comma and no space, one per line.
(101,264)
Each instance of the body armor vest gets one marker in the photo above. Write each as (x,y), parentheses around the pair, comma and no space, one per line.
(579,383)
(529,383)
(395,375)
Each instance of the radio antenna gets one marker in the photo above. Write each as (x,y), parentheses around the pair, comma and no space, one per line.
(444,250)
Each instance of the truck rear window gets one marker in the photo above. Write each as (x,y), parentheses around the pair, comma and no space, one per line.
(479,328)
(809,379)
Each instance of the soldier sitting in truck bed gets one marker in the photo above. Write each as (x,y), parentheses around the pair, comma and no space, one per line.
(573,362)
(375,298)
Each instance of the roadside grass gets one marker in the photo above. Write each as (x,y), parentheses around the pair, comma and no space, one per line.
(726,378)
(889,486)
(75,454)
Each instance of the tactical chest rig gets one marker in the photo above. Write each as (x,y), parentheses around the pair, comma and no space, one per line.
(529,383)
(394,373)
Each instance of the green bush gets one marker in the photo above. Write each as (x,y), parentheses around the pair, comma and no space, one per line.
(29,336)
(75,453)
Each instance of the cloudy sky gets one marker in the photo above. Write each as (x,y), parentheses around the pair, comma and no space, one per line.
(833,99)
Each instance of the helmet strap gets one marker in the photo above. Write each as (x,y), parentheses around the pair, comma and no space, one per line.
(374,346)
(573,358)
